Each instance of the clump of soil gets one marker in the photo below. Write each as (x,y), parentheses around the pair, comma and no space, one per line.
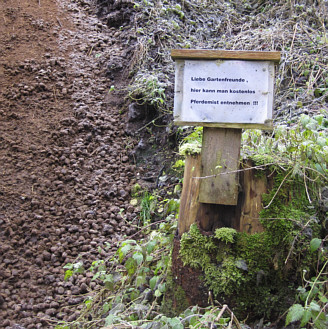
(66,168)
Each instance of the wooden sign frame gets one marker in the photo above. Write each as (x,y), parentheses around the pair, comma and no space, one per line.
(200,101)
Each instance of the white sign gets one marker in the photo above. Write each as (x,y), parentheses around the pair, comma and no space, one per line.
(223,92)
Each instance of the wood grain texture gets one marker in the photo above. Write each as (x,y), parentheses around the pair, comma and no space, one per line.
(254,184)
(189,196)
(268,125)
(208,216)
(220,156)
(225,54)
(244,217)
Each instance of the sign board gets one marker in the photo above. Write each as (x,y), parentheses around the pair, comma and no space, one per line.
(220,91)
(224,91)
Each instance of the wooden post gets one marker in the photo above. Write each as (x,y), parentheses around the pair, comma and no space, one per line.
(189,196)
(208,216)
(225,92)
(244,217)
(220,161)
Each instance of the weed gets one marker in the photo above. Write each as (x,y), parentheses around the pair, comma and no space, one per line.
(147,89)
(131,280)
(312,308)
(147,205)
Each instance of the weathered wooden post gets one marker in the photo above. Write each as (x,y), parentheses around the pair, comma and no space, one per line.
(223,91)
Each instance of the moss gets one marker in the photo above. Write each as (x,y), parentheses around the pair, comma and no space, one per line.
(225,234)
(196,249)
(135,190)
(190,149)
(230,270)
(225,277)
(249,271)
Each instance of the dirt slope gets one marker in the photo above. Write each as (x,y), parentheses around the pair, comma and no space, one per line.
(65,173)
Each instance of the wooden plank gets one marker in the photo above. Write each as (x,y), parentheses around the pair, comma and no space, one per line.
(208,216)
(268,125)
(220,156)
(254,185)
(244,217)
(225,54)
(189,196)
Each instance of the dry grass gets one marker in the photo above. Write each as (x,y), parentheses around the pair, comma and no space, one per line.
(296,28)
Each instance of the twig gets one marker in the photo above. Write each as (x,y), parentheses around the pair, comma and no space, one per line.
(293,243)
(149,123)
(306,188)
(314,283)
(291,46)
(231,321)
(221,312)
(145,227)
(266,207)
(234,171)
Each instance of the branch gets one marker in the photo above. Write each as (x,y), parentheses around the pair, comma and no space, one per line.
(266,207)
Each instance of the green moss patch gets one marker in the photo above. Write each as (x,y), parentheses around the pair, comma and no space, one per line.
(258,273)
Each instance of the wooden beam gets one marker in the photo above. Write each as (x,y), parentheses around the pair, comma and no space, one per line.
(254,184)
(267,125)
(220,156)
(244,217)
(225,54)
(189,196)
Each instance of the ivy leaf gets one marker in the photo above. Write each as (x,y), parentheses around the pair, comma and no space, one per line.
(315,307)
(68,274)
(193,321)
(323,299)
(306,318)
(295,313)
(150,246)
(149,258)
(88,304)
(153,282)
(157,293)
(122,252)
(138,257)
(131,266)
(175,323)
(315,244)
(109,281)
(110,319)
(162,287)
(131,241)
(140,280)
(106,307)
(69,266)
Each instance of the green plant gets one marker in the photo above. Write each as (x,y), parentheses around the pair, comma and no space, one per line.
(147,207)
(225,234)
(300,151)
(147,89)
(196,318)
(312,309)
(72,269)
(192,143)
(131,282)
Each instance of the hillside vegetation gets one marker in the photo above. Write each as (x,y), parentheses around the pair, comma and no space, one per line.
(137,287)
